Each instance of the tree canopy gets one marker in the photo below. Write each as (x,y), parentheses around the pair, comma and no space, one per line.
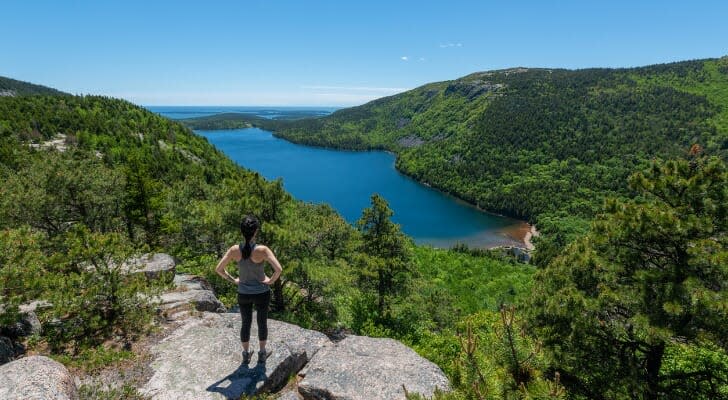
(637,308)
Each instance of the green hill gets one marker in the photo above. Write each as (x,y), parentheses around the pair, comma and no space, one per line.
(12,87)
(91,180)
(87,181)
(547,145)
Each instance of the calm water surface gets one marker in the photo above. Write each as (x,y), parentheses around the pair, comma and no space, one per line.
(346,180)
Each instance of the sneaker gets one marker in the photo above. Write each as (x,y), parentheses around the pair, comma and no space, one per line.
(263,355)
(246,356)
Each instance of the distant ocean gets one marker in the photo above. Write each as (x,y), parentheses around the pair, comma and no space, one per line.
(181,112)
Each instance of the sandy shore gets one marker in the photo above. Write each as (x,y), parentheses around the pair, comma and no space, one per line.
(523,233)
(527,237)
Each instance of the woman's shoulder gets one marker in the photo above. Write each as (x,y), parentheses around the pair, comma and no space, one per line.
(259,254)
(261,248)
(234,250)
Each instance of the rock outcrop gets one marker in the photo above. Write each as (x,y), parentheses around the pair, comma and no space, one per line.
(11,336)
(27,324)
(472,89)
(9,350)
(36,377)
(202,359)
(153,266)
(410,141)
(191,282)
(191,293)
(364,368)
(201,300)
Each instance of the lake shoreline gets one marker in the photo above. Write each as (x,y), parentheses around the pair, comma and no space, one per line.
(520,232)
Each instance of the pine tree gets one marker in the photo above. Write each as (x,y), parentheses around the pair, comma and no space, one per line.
(388,262)
(625,309)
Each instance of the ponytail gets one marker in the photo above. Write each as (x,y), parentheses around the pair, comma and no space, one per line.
(248,227)
(246,249)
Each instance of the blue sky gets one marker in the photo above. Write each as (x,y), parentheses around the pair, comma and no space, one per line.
(333,53)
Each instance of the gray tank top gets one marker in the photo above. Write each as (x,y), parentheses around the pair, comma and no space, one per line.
(251,275)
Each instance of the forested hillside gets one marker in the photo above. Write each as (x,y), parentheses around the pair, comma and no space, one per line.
(12,87)
(87,182)
(548,145)
(635,308)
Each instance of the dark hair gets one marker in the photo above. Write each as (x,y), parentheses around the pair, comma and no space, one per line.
(248,227)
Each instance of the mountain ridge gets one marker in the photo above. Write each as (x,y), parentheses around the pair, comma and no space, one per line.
(543,144)
(14,87)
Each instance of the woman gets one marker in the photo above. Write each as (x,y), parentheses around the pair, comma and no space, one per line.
(253,284)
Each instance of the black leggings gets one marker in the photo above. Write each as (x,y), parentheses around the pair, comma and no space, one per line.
(261,301)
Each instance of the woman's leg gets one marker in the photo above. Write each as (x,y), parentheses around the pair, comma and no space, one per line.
(261,309)
(246,315)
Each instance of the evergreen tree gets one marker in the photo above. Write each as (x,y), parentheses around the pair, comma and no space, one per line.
(626,310)
(387,264)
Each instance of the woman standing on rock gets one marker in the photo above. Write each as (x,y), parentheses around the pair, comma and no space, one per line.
(253,284)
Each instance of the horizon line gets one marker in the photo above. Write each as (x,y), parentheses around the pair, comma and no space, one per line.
(244,105)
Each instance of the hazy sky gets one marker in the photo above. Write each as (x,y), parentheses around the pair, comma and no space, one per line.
(333,53)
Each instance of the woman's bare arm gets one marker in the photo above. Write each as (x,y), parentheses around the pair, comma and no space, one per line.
(273,261)
(220,269)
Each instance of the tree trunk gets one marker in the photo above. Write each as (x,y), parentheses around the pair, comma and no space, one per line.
(380,291)
(653,363)
(279,303)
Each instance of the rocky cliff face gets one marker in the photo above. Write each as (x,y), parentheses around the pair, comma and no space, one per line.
(361,367)
(200,357)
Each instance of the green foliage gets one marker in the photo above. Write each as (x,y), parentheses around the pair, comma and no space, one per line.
(93,297)
(220,121)
(634,308)
(12,87)
(492,357)
(385,264)
(238,120)
(20,257)
(547,145)
(474,282)
(94,359)
(53,192)
(127,391)
(621,306)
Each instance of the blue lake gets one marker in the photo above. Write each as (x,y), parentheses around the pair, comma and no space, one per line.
(346,180)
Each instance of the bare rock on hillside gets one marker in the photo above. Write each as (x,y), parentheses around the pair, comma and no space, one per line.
(202,359)
(191,293)
(153,266)
(472,89)
(402,122)
(9,350)
(361,367)
(27,324)
(36,377)
(200,300)
(410,141)
(191,282)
